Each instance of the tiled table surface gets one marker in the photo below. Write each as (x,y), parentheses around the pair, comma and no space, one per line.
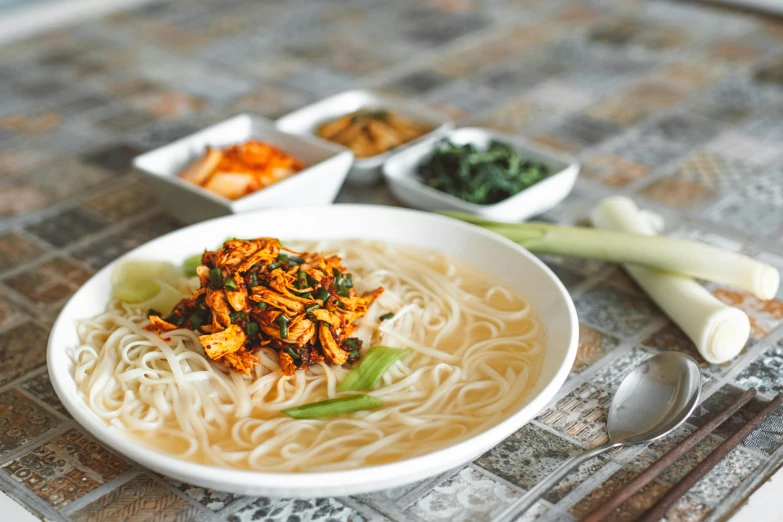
(679,106)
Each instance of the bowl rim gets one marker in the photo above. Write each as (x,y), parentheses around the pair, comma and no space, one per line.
(395,174)
(334,150)
(297,484)
(425,114)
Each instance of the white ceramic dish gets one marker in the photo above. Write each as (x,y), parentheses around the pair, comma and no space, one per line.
(326,167)
(400,174)
(520,269)
(305,121)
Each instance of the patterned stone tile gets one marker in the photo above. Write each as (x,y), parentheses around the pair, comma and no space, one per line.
(687,509)
(66,227)
(115,157)
(726,476)
(467,496)
(635,104)
(19,198)
(123,203)
(610,376)
(592,346)
(764,315)
(50,282)
(577,132)
(676,471)
(161,133)
(581,415)
(634,33)
(562,97)
(22,349)
(263,508)
(141,498)
(766,439)
(740,149)
(611,169)
(616,311)
(464,96)
(10,313)
(41,388)
(66,468)
(678,192)
(214,500)
(683,128)
(272,102)
(530,455)
(515,115)
(124,120)
(102,251)
(21,421)
(763,218)
(631,509)
(765,373)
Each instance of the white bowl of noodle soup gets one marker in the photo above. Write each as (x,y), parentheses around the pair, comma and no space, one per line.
(500,258)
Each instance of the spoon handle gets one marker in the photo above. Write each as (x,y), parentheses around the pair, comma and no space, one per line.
(545,485)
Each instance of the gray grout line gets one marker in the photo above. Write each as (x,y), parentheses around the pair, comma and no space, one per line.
(30,499)
(24,378)
(37,442)
(45,406)
(204,510)
(103,489)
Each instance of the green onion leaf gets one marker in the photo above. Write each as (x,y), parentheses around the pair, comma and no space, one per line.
(251,328)
(190,264)
(322,294)
(273,266)
(237,316)
(230,284)
(215,278)
(312,307)
(282,320)
(290,351)
(261,305)
(253,280)
(387,316)
(195,320)
(373,365)
(334,407)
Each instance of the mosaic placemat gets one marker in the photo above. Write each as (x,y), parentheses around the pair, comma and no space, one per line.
(677,105)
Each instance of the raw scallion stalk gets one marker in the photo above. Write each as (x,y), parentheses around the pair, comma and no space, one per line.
(663,253)
(373,365)
(719,331)
(334,407)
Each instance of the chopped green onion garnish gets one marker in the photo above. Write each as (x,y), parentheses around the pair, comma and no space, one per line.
(230,284)
(195,320)
(301,280)
(261,305)
(253,280)
(348,280)
(273,266)
(175,319)
(312,307)
(373,365)
(190,264)
(340,305)
(290,351)
(251,328)
(216,278)
(334,407)
(353,343)
(322,294)
(236,316)
(282,320)
(387,316)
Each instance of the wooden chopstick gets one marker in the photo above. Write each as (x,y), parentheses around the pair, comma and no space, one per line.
(673,495)
(645,477)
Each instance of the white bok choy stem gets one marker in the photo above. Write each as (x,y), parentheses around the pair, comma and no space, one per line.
(719,331)
(640,248)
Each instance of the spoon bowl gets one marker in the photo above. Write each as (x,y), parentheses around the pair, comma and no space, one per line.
(651,401)
(656,397)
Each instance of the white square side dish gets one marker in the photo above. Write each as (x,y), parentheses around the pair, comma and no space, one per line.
(305,121)
(400,172)
(326,166)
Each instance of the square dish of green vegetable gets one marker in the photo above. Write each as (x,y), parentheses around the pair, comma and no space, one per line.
(491,174)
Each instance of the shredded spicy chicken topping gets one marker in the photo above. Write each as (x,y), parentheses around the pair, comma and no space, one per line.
(257,293)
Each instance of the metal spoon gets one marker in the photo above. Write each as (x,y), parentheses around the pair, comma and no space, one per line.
(656,397)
